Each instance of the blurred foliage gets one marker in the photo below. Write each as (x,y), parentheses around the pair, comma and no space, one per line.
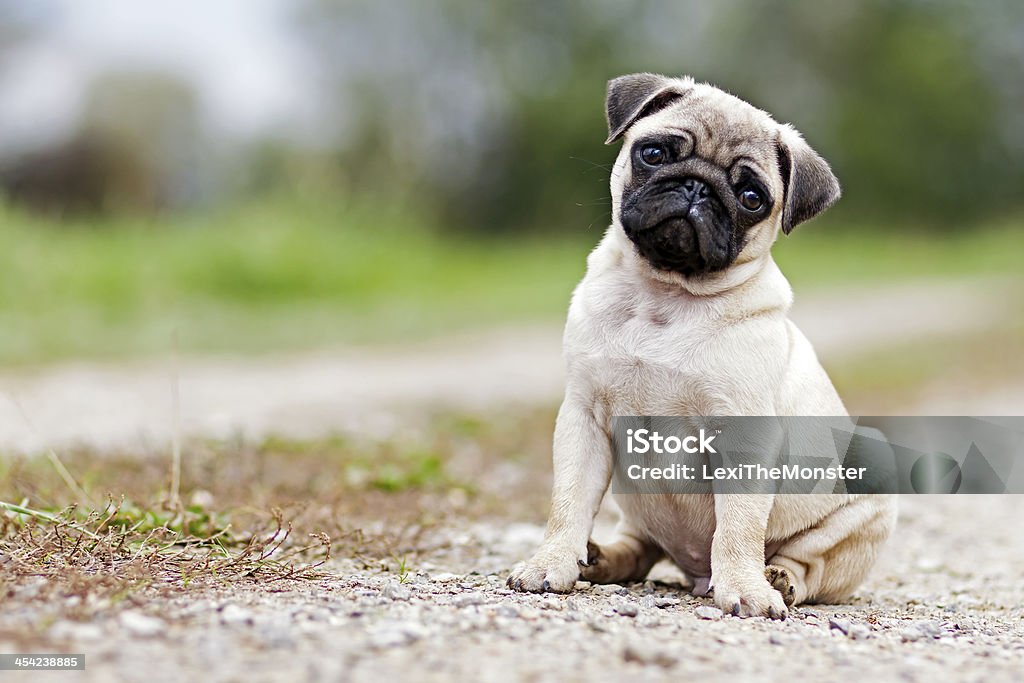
(276,274)
(492,114)
(488,117)
(461,177)
(290,273)
(961,364)
(910,119)
(138,148)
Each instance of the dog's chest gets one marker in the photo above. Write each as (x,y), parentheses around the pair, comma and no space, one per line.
(643,358)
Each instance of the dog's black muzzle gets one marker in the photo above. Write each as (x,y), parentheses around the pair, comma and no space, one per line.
(679,223)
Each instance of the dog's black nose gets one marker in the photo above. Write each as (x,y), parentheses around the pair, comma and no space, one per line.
(695,189)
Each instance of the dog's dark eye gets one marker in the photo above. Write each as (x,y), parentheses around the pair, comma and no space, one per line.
(751,200)
(653,155)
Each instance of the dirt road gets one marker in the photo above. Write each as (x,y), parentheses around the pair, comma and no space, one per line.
(364,390)
(946,601)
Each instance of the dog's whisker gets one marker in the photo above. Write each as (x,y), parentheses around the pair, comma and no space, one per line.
(593,164)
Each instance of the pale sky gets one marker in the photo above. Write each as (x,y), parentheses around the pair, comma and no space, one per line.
(249,74)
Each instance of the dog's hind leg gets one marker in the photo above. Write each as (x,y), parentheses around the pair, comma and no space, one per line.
(827,562)
(628,558)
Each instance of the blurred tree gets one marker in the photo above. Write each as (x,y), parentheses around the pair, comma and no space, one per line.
(474,109)
(137,148)
(908,115)
(493,112)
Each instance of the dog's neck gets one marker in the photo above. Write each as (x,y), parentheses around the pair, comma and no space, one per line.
(758,274)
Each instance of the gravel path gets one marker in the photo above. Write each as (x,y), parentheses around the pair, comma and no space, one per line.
(945,603)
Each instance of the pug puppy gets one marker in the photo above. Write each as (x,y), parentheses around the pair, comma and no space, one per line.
(683,311)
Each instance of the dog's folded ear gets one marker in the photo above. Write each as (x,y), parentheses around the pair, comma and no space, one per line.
(632,97)
(810,186)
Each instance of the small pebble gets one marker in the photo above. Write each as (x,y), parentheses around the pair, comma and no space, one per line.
(232,614)
(396,635)
(70,630)
(859,632)
(708,612)
(627,609)
(911,634)
(396,591)
(841,625)
(468,600)
(507,611)
(643,653)
(142,625)
(276,637)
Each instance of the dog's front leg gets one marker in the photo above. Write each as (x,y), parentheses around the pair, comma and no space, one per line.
(583,467)
(737,557)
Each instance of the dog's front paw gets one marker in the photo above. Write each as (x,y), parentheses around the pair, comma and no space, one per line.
(750,598)
(551,570)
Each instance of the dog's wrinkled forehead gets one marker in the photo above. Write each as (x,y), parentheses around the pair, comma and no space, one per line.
(723,128)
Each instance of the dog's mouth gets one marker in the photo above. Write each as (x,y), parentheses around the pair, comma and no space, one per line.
(681,227)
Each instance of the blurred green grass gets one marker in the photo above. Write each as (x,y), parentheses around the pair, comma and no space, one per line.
(287,274)
(887,381)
